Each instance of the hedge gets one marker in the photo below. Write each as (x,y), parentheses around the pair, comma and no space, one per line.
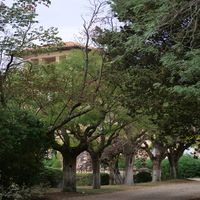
(53,177)
(188,167)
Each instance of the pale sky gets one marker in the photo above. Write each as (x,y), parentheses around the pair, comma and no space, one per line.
(65,15)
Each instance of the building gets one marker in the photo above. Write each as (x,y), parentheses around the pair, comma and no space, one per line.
(50,55)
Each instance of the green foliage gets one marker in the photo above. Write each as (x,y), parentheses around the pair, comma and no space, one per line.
(23,146)
(154,59)
(188,167)
(104,179)
(86,179)
(121,162)
(53,178)
(165,170)
(18,27)
(142,177)
(14,192)
(54,161)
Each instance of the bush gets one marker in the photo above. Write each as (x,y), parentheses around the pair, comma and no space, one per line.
(23,146)
(188,167)
(104,179)
(165,172)
(54,162)
(85,179)
(142,177)
(53,178)
(15,192)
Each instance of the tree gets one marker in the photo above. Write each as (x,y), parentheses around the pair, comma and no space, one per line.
(54,93)
(18,32)
(106,132)
(23,147)
(110,158)
(156,55)
(133,139)
(65,101)
(72,115)
(157,153)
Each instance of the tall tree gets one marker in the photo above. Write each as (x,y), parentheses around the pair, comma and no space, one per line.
(54,93)
(133,140)
(106,132)
(156,55)
(18,31)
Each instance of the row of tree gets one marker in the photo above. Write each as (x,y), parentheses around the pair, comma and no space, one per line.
(141,84)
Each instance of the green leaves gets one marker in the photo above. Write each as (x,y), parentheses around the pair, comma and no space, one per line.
(23,145)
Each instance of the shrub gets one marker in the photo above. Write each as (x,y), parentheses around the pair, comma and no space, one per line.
(15,192)
(85,179)
(23,146)
(104,179)
(53,178)
(54,162)
(165,172)
(142,177)
(188,167)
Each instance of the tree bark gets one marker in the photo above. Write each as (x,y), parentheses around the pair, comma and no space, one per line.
(156,173)
(112,173)
(69,173)
(115,176)
(129,169)
(173,162)
(174,155)
(96,171)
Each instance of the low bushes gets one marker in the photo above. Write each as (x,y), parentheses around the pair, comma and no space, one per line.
(188,167)
(53,177)
(86,179)
(142,177)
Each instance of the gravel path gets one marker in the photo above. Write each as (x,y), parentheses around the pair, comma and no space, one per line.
(178,191)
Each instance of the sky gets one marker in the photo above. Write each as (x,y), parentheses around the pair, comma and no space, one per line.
(65,15)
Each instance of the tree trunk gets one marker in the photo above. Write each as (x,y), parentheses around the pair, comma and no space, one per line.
(115,176)
(173,162)
(96,171)
(129,169)
(112,173)
(156,174)
(69,173)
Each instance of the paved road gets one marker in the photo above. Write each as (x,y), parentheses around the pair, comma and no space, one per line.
(178,191)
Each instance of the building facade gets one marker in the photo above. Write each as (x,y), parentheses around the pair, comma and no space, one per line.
(51,55)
